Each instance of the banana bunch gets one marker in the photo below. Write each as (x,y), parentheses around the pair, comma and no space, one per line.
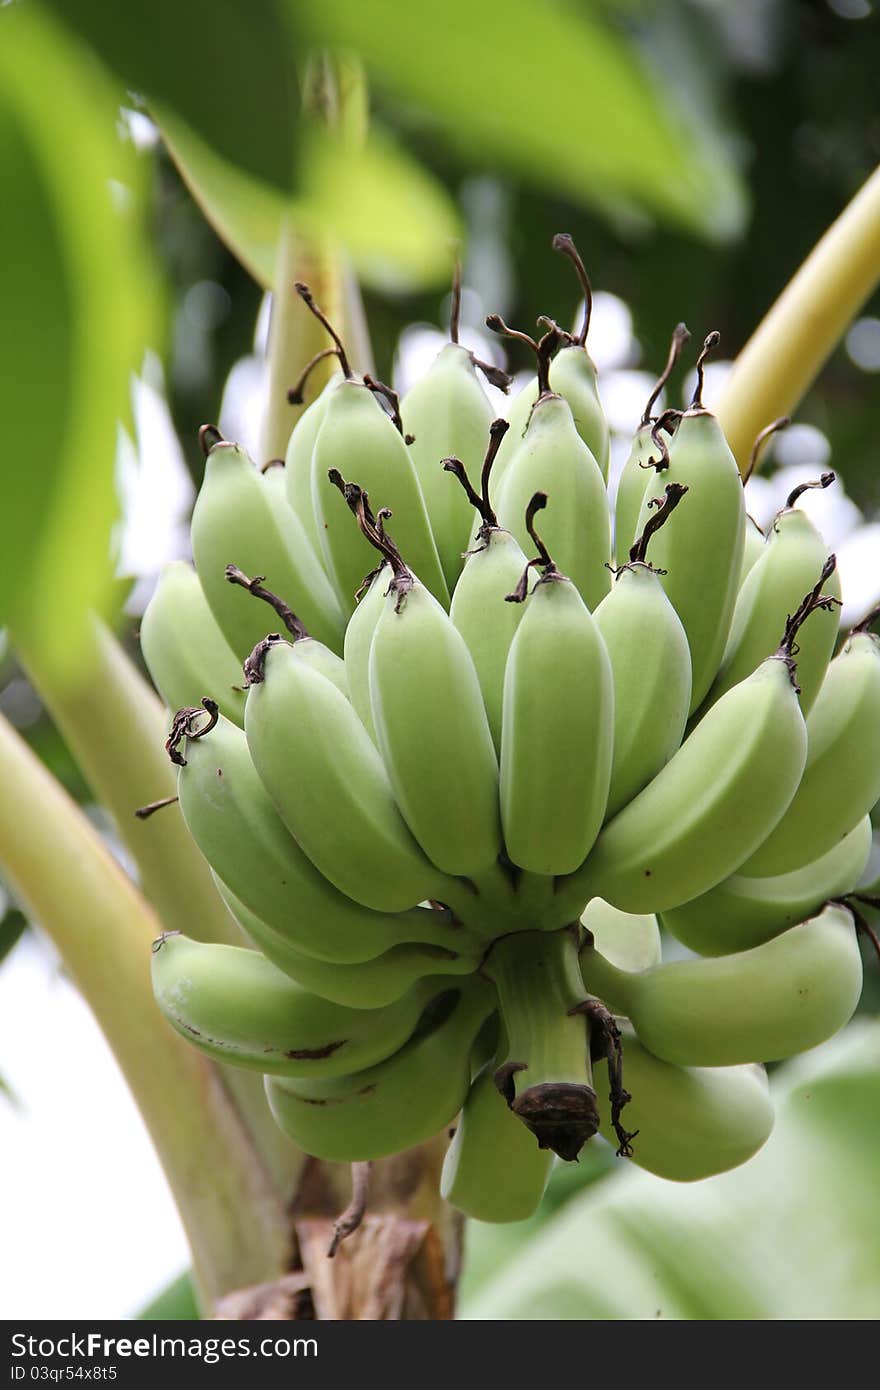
(457,740)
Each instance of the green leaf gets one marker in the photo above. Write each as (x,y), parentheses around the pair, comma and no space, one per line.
(222,67)
(794,1234)
(79,302)
(395,221)
(175,1303)
(555,93)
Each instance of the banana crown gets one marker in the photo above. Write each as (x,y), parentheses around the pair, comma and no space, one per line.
(454,762)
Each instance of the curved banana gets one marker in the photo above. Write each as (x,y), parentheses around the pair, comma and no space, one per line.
(772,1001)
(691,1122)
(709,808)
(552,458)
(400,1102)
(233,821)
(841,781)
(702,552)
(369,984)
(298,461)
(493,1170)
(448,413)
(432,730)
(629,941)
(236,521)
(185,652)
(358,438)
(329,784)
(359,639)
(488,624)
(651,671)
(742,912)
(556,730)
(753,548)
(790,565)
(233,1004)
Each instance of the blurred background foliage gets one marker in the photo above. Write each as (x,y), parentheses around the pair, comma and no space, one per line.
(696,150)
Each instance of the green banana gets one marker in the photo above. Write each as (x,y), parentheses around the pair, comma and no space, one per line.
(572,376)
(236,520)
(236,1006)
(552,458)
(357,435)
(753,549)
(650,666)
(310,651)
(702,553)
(298,459)
(629,941)
(230,816)
(432,730)
(635,474)
(185,652)
(398,1103)
(792,560)
(742,912)
(493,1170)
(330,787)
(841,781)
(769,1002)
(492,569)
(369,984)
(709,808)
(448,413)
(691,1122)
(359,639)
(557,724)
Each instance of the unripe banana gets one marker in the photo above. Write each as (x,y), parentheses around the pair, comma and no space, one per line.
(185,652)
(298,461)
(485,621)
(236,521)
(493,1170)
(651,672)
(841,781)
(702,552)
(792,561)
(691,1122)
(448,413)
(646,450)
(236,1006)
(358,438)
(629,941)
(369,984)
(556,731)
(330,787)
(359,639)
(710,807)
(772,1001)
(230,816)
(397,1104)
(743,912)
(753,548)
(572,376)
(432,730)
(552,458)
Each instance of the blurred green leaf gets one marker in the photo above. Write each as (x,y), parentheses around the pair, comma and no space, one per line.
(79,303)
(395,221)
(12,927)
(222,67)
(794,1234)
(553,92)
(175,1303)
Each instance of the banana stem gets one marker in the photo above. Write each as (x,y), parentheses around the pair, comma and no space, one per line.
(790,346)
(234,1217)
(547,1078)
